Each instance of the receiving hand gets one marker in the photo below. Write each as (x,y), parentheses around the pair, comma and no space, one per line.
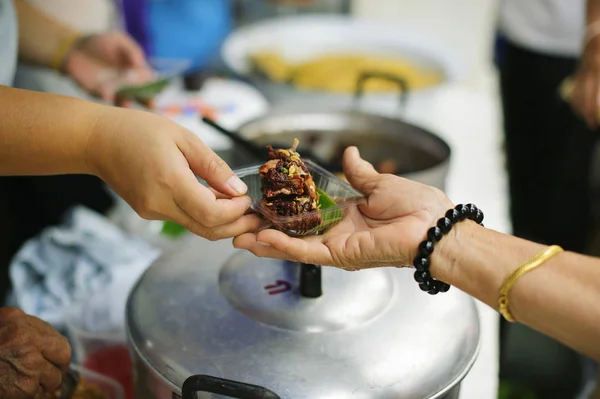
(384,231)
(152,163)
(33,356)
(102,64)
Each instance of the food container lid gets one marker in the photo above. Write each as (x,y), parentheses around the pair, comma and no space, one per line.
(300,331)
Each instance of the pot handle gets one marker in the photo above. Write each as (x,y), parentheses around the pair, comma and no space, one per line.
(364,76)
(220,386)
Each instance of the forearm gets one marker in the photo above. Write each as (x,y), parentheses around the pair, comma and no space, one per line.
(40,37)
(559,298)
(43,134)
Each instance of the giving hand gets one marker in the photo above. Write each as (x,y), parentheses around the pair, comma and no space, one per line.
(384,231)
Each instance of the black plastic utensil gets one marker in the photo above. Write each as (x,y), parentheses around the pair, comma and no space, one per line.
(260,153)
(257,152)
(69,384)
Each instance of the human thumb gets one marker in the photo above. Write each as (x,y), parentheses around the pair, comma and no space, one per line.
(357,170)
(207,165)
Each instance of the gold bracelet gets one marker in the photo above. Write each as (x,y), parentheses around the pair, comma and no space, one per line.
(63,50)
(520,271)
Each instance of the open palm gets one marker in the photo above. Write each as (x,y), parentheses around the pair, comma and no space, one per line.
(384,231)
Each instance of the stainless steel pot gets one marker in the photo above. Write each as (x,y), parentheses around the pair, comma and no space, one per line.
(298,38)
(208,319)
(418,154)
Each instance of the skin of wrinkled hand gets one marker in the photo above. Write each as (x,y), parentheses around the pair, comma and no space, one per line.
(384,231)
(33,356)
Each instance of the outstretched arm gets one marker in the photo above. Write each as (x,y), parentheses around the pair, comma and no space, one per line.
(40,37)
(42,134)
(560,298)
(150,161)
(100,64)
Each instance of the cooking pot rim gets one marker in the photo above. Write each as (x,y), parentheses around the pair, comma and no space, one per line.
(444,150)
(457,381)
(451,384)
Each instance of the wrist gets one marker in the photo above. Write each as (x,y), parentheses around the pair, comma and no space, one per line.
(102,126)
(443,227)
(66,47)
(446,257)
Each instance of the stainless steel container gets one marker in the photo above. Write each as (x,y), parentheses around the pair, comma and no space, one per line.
(419,155)
(299,38)
(212,321)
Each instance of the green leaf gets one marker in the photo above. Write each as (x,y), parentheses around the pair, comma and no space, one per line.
(325,202)
(172,229)
(145,91)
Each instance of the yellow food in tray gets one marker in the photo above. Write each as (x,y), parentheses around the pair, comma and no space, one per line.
(339,73)
(272,66)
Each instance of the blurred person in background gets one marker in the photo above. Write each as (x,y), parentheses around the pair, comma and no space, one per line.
(56,57)
(191,30)
(550,142)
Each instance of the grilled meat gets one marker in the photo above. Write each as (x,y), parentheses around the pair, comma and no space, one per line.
(288,188)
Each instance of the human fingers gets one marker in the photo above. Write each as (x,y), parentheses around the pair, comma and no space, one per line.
(278,244)
(53,346)
(50,376)
(244,224)
(203,207)
(210,167)
(360,173)
(129,52)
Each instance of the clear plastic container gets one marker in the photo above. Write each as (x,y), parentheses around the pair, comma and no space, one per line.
(100,343)
(338,200)
(108,386)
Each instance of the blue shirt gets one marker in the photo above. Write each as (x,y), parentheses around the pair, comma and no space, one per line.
(183,29)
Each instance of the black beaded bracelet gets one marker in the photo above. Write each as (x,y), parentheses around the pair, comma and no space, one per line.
(435,234)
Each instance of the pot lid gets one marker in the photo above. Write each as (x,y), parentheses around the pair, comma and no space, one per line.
(299,331)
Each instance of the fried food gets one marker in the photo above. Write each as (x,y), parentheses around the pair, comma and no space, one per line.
(288,188)
(339,73)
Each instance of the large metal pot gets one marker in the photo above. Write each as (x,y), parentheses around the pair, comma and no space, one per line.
(299,38)
(419,154)
(208,319)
